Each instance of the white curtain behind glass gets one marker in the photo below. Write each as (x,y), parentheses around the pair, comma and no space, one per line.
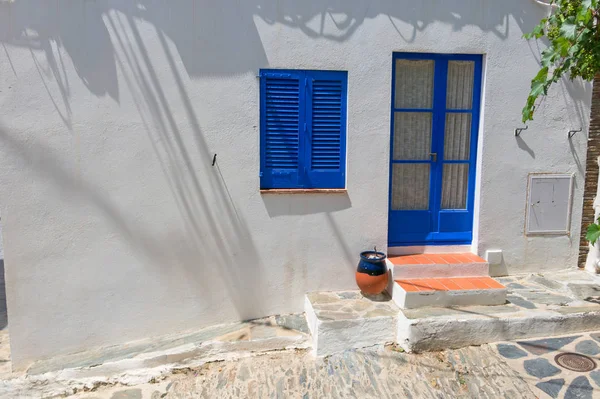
(457,134)
(414,83)
(412,134)
(410,186)
(459,94)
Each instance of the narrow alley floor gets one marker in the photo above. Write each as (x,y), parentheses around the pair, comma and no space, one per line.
(477,372)
(270,358)
(523,369)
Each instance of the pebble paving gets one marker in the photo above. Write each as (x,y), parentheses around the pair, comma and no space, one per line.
(386,373)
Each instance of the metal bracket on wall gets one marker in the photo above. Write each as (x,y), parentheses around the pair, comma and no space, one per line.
(520,129)
(571,133)
(214,160)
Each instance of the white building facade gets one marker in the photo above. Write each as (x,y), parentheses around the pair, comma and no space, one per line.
(168,165)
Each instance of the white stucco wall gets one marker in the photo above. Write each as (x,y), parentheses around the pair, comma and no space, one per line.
(116,226)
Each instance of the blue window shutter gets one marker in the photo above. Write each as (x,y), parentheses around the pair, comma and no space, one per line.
(325,155)
(282,117)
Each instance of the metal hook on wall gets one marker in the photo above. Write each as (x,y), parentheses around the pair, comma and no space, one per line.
(571,133)
(520,129)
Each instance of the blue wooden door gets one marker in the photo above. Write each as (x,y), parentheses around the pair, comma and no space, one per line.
(434,126)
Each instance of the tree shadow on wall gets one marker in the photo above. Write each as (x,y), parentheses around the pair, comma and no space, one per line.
(221,38)
(106,40)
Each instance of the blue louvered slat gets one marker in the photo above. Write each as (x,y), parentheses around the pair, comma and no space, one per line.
(327,122)
(326,143)
(282,123)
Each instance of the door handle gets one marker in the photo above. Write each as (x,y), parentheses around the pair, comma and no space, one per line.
(433,156)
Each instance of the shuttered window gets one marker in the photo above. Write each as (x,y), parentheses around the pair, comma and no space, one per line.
(303,129)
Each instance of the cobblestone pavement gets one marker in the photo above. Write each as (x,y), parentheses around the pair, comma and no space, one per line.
(553,291)
(477,372)
(536,360)
(522,369)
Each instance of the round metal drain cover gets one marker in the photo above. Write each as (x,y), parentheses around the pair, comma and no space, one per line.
(575,362)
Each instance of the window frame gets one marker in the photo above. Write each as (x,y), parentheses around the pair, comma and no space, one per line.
(308,178)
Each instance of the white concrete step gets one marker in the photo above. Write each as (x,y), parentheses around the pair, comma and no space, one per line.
(344,320)
(438,266)
(433,329)
(447,292)
(536,307)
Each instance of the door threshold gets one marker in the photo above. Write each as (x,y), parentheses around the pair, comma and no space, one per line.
(427,249)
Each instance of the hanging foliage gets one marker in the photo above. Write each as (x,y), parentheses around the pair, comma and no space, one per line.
(574,49)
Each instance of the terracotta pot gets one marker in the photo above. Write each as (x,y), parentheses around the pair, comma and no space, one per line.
(371,274)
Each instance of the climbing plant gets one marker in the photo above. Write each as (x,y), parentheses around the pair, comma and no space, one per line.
(572,30)
(593,233)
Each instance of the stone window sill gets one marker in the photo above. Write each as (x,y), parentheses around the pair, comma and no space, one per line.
(305,191)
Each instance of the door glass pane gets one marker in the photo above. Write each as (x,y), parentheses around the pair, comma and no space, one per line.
(412,135)
(457,137)
(414,84)
(455,185)
(461,77)
(410,187)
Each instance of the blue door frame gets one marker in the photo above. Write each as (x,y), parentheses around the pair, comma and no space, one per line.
(437,226)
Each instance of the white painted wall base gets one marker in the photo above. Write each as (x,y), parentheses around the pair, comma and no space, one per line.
(592,263)
(439,333)
(414,300)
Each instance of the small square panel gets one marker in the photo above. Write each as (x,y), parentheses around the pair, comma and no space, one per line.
(549,204)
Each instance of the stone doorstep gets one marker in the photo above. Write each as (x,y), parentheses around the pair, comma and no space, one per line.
(433,329)
(438,265)
(346,320)
(446,292)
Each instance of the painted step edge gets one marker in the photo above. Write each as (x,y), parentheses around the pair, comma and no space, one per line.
(440,333)
(428,249)
(444,299)
(439,271)
(335,336)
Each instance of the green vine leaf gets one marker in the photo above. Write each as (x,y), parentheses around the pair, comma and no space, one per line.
(538,84)
(573,33)
(593,233)
(569,30)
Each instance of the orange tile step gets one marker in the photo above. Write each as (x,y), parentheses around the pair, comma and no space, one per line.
(438,266)
(446,292)
(450,284)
